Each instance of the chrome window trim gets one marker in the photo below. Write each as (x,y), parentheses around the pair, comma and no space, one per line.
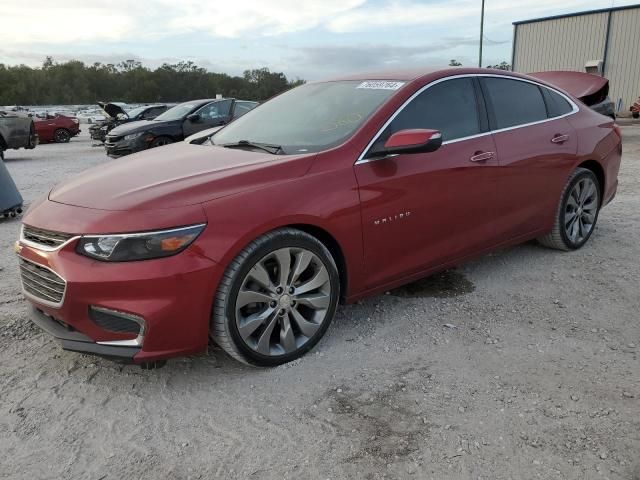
(43,248)
(575,109)
(37,299)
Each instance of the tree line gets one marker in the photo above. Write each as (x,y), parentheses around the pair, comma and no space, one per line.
(74,82)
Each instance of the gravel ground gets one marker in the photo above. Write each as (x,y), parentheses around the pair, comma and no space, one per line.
(522,364)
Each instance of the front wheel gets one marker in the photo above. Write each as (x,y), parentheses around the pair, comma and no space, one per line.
(160,141)
(276,299)
(577,213)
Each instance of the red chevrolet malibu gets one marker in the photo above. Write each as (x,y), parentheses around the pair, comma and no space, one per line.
(328,193)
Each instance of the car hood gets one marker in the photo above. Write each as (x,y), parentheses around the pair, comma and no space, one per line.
(112,109)
(134,127)
(579,84)
(177,175)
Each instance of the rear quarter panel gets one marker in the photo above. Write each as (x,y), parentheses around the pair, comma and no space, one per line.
(598,141)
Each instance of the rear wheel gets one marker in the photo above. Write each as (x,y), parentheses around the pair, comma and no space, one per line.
(160,141)
(62,135)
(276,299)
(577,213)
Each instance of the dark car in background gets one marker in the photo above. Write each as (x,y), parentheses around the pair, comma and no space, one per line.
(175,124)
(117,115)
(16,131)
(56,128)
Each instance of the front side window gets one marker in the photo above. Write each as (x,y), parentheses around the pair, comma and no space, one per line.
(449,107)
(214,110)
(514,102)
(310,118)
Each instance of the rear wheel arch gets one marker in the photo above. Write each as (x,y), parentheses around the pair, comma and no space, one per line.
(598,171)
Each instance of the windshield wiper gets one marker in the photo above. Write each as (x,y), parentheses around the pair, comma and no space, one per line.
(273,149)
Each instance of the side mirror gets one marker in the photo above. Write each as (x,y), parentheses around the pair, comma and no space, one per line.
(194,117)
(418,140)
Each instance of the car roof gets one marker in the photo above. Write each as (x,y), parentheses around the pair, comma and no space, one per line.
(409,75)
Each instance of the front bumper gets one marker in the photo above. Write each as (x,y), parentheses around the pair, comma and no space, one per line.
(75,341)
(123,147)
(172,295)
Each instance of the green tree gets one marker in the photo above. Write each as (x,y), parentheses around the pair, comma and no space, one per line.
(74,82)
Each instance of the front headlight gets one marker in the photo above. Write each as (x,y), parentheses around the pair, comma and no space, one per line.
(138,246)
(132,136)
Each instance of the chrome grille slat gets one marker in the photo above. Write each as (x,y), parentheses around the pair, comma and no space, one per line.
(54,290)
(32,272)
(34,290)
(42,283)
(45,238)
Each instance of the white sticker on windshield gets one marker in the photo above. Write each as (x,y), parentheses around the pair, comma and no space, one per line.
(380,85)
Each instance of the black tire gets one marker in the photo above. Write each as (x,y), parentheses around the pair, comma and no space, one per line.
(635,114)
(160,141)
(61,135)
(558,238)
(224,330)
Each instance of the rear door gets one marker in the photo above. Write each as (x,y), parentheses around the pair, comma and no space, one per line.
(420,210)
(536,148)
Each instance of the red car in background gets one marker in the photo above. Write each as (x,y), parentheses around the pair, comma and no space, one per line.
(56,128)
(327,193)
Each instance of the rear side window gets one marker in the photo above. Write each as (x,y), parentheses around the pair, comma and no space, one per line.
(449,107)
(514,102)
(556,104)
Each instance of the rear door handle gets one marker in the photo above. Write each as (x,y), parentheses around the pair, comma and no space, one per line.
(560,138)
(482,156)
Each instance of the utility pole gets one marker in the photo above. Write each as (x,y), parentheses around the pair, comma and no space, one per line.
(481,35)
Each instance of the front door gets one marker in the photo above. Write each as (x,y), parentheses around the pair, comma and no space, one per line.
(421,210)
(212,114)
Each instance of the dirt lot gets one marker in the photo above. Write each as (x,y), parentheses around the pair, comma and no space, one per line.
(537,375)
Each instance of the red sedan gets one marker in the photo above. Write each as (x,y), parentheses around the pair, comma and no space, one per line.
(56,128)
(328,193)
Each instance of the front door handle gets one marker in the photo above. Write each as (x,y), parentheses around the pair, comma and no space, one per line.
(560,139)
(482,156)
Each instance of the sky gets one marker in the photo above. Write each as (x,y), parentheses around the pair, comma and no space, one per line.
(309,39)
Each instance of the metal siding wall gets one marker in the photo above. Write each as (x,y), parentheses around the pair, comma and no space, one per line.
(560,44)
(623,63)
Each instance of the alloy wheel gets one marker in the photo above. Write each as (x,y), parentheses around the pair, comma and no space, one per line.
(283,301)
(581,210)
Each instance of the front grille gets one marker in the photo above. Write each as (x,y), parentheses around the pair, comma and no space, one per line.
(44,238)
(42,283)
(113,138)
(114,321)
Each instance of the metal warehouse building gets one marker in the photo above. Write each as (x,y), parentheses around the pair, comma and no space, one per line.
(605,42)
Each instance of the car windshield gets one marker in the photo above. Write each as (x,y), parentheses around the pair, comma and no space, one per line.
(178,112)
(309,118)
(136,111)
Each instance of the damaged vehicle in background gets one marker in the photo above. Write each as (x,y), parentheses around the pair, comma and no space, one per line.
(56,128)
(16,131)
(117,115)
(175,124)
(592,90)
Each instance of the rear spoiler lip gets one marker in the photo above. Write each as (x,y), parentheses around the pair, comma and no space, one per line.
(577,84)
